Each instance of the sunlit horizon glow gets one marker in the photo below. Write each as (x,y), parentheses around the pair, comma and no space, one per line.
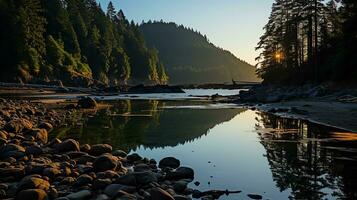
(234,25)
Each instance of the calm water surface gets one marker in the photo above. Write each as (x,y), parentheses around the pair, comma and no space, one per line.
(229,147)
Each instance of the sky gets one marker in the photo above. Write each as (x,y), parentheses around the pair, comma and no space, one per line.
(234,25)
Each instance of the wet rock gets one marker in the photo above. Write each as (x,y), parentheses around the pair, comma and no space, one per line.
(17,125)
(144,178)
(34,150)
(105,162)
(100,184)
(197,183)
(180,197)
(255,196)
(32,194)
(47,126)
(84,180)
(141,167)
(99,149)
(81,195)
(113,189)
(85,148)
(67,145)
(128,179)
(11,150)
(12,173)
(51,172)
(181,173)
(85,158)
(87,103)
(33,182)
(119,153)
(169,162)
(108,174)
(134,157)
(180,186)
(160,194)
(40,135)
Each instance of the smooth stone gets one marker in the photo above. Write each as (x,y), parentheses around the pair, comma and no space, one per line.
(160,194)
(39,134)
(180,197)
(169,162)
(51,172)
(100,184)
(105,162)
(255,196)
(34,150)
(134,157)
(99,149)
(113,189)
(32,194)
(85,148)
(128,179)
(33,182)
(142,168)
(81,195)
(144,178)
(67,145)
(17,125)
(181,173)
(84,180)
(180,186)
(47,126)
(119,153)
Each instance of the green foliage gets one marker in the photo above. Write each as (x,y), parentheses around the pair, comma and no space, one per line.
(191,58)
(82,42)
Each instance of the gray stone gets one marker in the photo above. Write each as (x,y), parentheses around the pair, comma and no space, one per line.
(81,195)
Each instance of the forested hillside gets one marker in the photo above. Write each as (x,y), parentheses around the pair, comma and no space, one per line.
(190,58)
(74,41)
(310,41)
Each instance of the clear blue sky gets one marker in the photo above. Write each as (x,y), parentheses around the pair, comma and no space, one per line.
(235,25)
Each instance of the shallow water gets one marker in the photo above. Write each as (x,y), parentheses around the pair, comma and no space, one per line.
(230,147)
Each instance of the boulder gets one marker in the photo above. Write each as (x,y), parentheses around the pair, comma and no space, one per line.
(47,126)
(67,145)
(40,135)
(84,180)
(134,157)
(181,173)
(87,103)
(17,125)
(105,162)
(169,162)
(80,195)
(99,149)
(32,194)
(160,194)
(33,182)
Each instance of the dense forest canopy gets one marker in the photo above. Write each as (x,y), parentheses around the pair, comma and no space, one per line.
(310,41)
(189,57)
(74,41)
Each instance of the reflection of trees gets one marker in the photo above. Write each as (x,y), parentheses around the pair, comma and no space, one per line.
(129,124)
(299,161)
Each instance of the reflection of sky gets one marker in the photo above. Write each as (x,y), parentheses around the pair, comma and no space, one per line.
(237,161)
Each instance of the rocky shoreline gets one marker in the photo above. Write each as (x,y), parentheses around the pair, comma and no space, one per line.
(32,167)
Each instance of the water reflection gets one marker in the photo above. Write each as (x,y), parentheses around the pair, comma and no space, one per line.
(312,161)
(129,124)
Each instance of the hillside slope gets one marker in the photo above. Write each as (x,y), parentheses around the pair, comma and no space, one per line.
(190,58)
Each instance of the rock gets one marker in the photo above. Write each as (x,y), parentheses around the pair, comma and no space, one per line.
(119,153)
(197,183)
(33,182)
(99,149)
(3,135)
(85,148)
(85,158)
(40,135)
(84,180)
(51,172)
(134,157)
(81,195)
(144,178)
(107,174)
(11,150)
(128,179)
(17,125)
(160,194)
(34,150)
(105,162)
(169,162)
(180,186)
(181,173)
(47,126)
(67,145)
(100,184)
(141,167)
(87,103)
(255,196)
(113,189)
(12,173)
(32,194)
(180,197)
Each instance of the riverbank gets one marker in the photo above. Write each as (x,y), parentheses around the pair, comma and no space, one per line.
(322,104)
